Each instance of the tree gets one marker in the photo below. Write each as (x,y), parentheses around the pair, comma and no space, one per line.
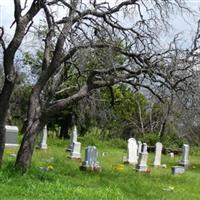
(22,23)
(82,29)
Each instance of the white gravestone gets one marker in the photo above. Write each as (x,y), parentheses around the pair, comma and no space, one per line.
(132,151)
(43,138)
(73,138)
(142,161)
(171,154)
(158,154)
(185,155)
(76,149)
(90,161)
(139,148)
(11,136)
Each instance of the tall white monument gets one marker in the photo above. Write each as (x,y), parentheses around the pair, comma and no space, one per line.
(43,138)
(158,154)
(73,138)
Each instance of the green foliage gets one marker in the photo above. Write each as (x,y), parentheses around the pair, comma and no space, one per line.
(150,138)
(172,139)
(98,137)
(126,103)
(34,61)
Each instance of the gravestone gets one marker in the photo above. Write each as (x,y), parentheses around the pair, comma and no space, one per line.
(139,148)
(132,151)
(43,138)
(73,138)
(178,170)
(171,154)
(142,161)
(158,154)
(144,148)
(11,136)
(90,162)
(76,149)
(185,154)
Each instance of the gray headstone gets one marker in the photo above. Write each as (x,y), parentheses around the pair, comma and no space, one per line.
(11,136)
(91,158)
(132,151)
(185,155)
(143,158)
(178,170)
(158,154)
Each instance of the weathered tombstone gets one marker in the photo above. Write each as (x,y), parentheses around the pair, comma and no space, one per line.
(185,154)
(158,154)
(76,149)
(73,138)
(178,170)
(171,154)
(144,148)
(142,161)
(139,148)
(11,136)
(132,151)
(90,161)
(43,138)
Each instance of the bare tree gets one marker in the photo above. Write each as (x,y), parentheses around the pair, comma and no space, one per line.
(22,23)
(85,27)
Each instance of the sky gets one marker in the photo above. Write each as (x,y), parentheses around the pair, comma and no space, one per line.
(187,25)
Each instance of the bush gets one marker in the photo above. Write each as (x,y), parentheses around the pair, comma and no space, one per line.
(150,138)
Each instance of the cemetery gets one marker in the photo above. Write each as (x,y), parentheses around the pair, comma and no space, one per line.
(87,171)
(99,100)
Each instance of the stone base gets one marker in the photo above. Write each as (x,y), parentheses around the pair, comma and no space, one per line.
(75,156)
(125,161)
(178,170)
(142,168)
(184,164)
(44,146)
(157,165)
(90,168)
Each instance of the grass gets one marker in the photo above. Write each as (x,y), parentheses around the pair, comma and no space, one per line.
(66,181)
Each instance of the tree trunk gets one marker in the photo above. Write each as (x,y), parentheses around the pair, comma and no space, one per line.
(140,118)
(4,105)
(2,142)
(162,130)
(25,152)
(34,125)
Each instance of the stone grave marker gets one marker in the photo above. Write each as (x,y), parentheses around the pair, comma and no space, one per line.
(90,162)
(178,170)
(139,148)
(142,161)
(43,138)
(132,151)
(185,155)
(11,136)
(76,149)
(73,138)
(158,154)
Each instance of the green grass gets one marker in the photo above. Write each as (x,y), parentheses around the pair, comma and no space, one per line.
(66,181)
